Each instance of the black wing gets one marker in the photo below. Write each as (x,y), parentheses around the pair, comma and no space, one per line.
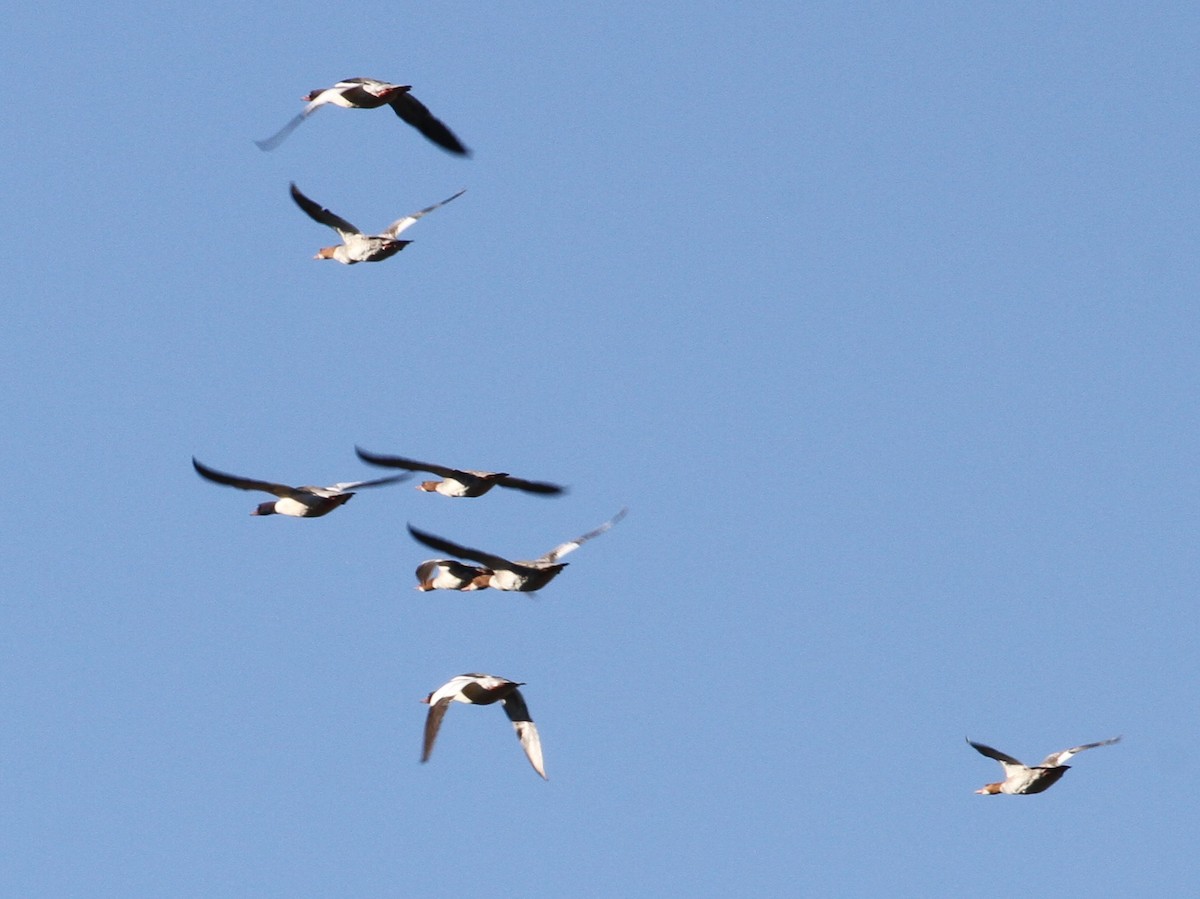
(409,464)
(320,214)
(231,480)
(543,487)
(994,754)
(415,113)
(476,555)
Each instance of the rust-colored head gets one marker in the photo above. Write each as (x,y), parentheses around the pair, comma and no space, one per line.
(428,486)
(990,789)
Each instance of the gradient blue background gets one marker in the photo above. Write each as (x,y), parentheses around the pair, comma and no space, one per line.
(881,318)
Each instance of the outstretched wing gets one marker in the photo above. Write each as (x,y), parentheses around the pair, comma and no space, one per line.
(319,213)
(409,220)
(354,485)
(415,113)
(231,480)
(527,732)
(995,754)
(279,136)
(433,721)
(543,487)
(465,552)
(409,464)
(571,545)
(1054,759)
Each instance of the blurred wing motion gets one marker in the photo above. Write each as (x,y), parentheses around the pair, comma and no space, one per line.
(527,732)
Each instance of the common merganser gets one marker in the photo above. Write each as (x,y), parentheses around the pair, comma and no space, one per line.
(298,502)
(460,482)
(450,574)
(368,93)
(526,575)
(1020,778)
(484,689)
(356,246)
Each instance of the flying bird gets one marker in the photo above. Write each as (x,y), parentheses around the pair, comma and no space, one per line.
(367,93)
(460,482)
(526,575)
(356,246)
(484,689)
(298,502)
(450,574)
(1020,779)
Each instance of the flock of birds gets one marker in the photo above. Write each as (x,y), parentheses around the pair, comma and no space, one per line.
(490,570)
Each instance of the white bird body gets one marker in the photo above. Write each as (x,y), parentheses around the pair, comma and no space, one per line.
(353,93)
(450,574)
(453,487)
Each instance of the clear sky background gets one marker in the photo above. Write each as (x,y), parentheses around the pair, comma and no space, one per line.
(881,318)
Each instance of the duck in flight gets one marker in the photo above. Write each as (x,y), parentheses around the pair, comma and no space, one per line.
(356,246)
(451,574)
(1020,779)
(298,502)
(368,93)
(526,575)
(460,482)
(484,689)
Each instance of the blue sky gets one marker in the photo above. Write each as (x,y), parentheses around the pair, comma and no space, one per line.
(880,318)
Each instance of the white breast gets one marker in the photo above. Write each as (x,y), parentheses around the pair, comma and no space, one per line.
(446,581)
(451,487)
(503,579)
(288,506)
(1020,781)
